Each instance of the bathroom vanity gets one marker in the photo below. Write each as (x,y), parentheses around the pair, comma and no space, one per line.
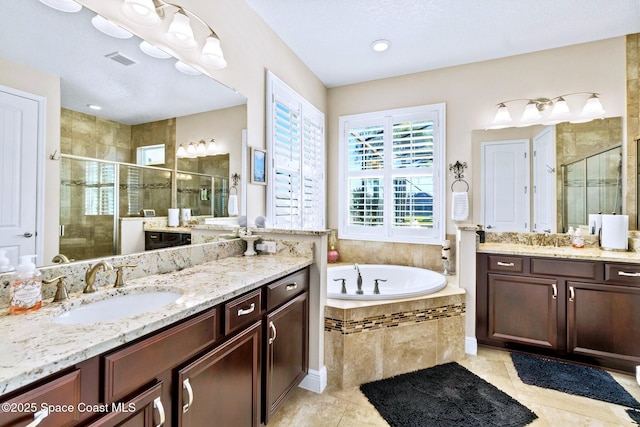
(576,304)
(230,354)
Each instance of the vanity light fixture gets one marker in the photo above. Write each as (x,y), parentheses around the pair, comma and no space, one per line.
(547,111)
(197,149)
(109,28)
(201,149)
(191,151)
(180,33)
(63,5)
(211,147)
(182,152)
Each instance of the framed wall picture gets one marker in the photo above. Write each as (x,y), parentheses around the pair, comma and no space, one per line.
(258,166)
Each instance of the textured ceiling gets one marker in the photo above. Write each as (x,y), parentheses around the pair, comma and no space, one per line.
(332,37)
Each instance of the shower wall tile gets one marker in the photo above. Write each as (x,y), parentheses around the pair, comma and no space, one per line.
(633,126)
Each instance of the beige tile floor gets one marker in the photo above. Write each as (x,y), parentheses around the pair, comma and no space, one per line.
(349,408)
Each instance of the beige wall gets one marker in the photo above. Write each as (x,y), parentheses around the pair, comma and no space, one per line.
(471,93)
(47,86)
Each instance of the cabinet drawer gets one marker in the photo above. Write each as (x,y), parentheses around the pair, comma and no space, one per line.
(286,288)
(242,311)
(146,406)
(505,263)
(564,268)
(61,392)
(624,274)
(132,367)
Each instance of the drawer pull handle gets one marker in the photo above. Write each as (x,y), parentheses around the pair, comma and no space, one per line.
(38,417)
(275,333)
(555,291)
(157,403)
(572,293)
(505,264)
(187,386)
(624,273)
(292,287)
(244,312)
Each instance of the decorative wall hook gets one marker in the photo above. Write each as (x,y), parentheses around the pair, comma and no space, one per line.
(458,168)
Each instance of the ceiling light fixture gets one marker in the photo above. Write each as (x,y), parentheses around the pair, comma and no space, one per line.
(380,45)
(197,149)
(153,51)
(109,28)
(63,5)
(547,111)
(180,33)
(94,107)
(186,69)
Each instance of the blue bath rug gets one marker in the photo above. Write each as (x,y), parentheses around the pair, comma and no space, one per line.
(580,380)
(635,415)
(446,395)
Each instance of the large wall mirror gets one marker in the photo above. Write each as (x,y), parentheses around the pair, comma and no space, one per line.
(144,102)
(583,172)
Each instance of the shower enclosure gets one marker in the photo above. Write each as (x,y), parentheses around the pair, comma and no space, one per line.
(591,185)
(95,194)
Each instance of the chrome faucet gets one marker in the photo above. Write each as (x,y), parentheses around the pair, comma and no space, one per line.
(90,275)
(359,290)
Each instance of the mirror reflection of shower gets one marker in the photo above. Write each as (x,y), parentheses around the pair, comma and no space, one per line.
(591,185)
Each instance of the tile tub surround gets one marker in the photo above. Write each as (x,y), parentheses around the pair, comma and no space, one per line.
(27,355)
(372,340)
(150,262)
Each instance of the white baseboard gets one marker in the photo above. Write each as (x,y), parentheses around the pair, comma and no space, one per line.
(315,381)
(471,345)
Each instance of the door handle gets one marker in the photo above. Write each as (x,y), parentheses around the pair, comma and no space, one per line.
(38,417)
(245,311)
(26,235)
(555,291)
(624,273)
(275,333)
(572,293)
(157,403)
(187,386)
(505,264)
(292,287)
(489,227)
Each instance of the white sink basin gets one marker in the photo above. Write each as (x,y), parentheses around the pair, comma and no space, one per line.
(117,307)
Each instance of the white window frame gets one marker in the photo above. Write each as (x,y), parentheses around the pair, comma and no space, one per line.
(389,233)
(315,217)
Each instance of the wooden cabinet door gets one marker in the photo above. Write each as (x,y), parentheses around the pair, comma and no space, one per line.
(144,410)
(522,310)
(287,351)
(222,387)
(604,321)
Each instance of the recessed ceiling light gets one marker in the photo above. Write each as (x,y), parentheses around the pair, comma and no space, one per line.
(109,28)
(63,5)
(380,45)
(94,107)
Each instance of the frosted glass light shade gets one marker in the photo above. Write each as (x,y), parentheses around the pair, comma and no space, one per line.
(182,152)
(531,112)
(63,5)
(560,109)
(212,55)
(191,151)
(109,28)
(502,119)
(180,32)
(141,11)
(211,147)
(201,150)
(593,107)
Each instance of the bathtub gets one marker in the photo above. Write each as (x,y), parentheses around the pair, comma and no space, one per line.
(401,281)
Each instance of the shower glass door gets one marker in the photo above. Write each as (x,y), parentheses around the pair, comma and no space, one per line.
(87,208)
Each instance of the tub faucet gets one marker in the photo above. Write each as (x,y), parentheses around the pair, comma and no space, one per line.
(90,275)
(359,290)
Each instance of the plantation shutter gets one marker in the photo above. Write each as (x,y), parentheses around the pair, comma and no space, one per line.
(295,189)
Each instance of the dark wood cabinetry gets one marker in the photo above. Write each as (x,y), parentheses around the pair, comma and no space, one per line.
(230,365)
(584,311)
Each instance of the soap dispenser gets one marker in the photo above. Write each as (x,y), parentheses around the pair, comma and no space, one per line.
(26,287)
(5,264)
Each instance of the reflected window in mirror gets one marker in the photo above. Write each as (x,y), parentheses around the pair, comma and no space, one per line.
(150,155)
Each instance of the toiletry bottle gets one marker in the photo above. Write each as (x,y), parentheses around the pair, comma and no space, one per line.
(5,264)
(26,287)
(578,241)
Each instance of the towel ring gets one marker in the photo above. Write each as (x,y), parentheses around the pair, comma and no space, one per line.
(460,180)
(233,188)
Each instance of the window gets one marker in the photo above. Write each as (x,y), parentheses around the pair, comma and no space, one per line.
(295,149)
(99,189)
(392,175)
(150,155)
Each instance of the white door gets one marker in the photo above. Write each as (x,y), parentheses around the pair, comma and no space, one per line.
(505,185)
(18,174)
(544,182)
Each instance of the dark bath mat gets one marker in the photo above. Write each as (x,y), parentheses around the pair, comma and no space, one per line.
(446,395)
(580,380)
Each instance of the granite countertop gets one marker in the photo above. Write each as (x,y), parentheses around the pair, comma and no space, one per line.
(33,346)
(167,229)
(256,230)
(566,252)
